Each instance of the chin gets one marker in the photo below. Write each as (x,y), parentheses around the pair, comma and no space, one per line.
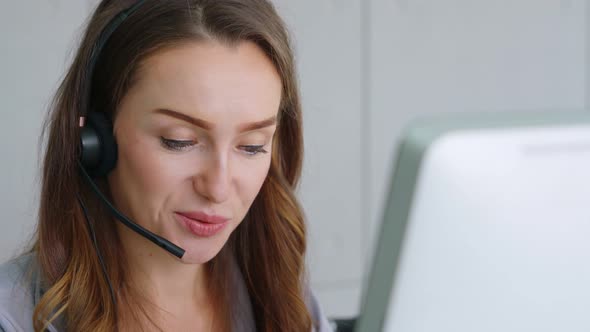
(201,253)
(202,250)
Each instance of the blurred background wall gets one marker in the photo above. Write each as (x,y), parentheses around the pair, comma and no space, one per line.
(366,68)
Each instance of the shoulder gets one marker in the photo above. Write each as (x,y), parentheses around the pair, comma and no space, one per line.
(243,315)
(17,279)
(320,321)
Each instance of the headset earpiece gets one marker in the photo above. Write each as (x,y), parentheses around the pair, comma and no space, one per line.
(98,145)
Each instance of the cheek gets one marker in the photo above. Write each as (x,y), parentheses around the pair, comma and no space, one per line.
(143,169)
(251,181)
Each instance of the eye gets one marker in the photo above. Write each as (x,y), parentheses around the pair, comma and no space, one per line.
(253,150)
(176,145)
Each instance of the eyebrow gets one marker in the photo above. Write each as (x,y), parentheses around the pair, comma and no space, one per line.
(208,125)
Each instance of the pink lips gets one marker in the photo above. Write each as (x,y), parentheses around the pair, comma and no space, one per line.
(201,224)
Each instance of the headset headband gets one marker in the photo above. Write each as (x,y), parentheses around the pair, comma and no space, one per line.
(95,53)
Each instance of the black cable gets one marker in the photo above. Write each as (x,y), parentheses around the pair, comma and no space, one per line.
(94,242)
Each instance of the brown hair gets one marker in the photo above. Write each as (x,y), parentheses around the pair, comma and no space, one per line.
(269,245)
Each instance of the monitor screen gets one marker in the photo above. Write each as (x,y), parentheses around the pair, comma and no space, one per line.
(487,228)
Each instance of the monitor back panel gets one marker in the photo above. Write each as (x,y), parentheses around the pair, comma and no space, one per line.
(494,236)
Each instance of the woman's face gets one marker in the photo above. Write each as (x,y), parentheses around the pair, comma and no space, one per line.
(195,133)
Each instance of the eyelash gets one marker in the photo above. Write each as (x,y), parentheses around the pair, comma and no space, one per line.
(180,145)
(253,150)
(175,145)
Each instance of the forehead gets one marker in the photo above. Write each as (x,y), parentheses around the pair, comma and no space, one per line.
(210,78)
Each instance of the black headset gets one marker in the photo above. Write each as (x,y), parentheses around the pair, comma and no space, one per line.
(98,146)
(97,143)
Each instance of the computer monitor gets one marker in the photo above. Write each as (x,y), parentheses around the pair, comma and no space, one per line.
(486,227)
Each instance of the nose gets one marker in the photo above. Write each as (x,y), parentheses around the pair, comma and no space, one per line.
(213,182)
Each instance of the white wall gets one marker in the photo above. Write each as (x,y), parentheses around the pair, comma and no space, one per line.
(36,40)
(366,68)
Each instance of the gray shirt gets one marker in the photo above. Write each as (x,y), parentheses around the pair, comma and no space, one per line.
(20,290)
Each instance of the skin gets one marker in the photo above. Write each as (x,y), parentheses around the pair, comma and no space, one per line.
(218,168)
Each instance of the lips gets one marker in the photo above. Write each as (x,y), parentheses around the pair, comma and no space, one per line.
(203,217)
(201,224)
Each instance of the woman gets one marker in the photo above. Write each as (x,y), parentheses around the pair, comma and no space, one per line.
(189,119)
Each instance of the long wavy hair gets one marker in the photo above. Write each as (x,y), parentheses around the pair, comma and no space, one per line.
(269,245)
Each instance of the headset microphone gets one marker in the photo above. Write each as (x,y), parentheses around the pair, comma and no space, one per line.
(158,240)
